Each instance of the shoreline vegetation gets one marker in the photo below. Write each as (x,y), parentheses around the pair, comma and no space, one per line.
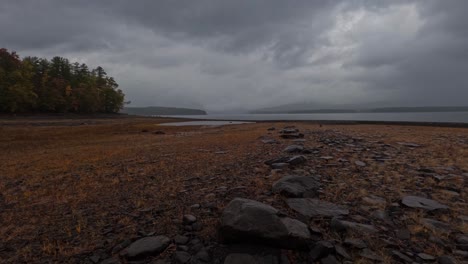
(40,85)
(98,189)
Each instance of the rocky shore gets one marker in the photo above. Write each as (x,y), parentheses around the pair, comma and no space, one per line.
(301,194)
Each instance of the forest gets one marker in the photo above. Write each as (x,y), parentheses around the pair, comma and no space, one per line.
(38,85)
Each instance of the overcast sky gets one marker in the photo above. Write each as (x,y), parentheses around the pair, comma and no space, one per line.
(225,55)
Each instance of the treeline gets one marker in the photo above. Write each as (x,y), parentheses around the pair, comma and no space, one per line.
(55,86)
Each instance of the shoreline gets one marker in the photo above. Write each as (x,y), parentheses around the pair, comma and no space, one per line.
(94,186)
(61,117)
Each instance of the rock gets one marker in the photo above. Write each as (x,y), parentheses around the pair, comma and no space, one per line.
(330,259)
(297,186)
(403,234)
(401,257)
(321,249)
(181,257)
(113,260)
(203,255)
(425,256)
(271,129)
(279,166)
(293,149)
(409,144)
(420,202)
(269,141)
(189,219)
(181,240)
(159,132)
(342,252)
(374,200)
(311,208)
(245,220)
(244,258)
(296,160)
(461,239)
(278,160)
(195,206)
(197,226)
(291,136)
(355,243)
(340,226)
(289,131)
(446,260)
(359,163)
(436,226)
(369,254)
(300,140)
(148,246)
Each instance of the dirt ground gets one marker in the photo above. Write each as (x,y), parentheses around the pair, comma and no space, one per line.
(71,188)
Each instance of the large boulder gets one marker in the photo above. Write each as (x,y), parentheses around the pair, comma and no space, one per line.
(310,208)
(297,186)
(245,220)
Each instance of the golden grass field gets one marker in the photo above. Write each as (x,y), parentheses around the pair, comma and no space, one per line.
(72,187)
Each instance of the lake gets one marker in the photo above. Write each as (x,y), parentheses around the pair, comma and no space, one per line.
(450,117)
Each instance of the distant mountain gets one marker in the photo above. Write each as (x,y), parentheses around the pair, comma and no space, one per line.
(294,109)
(159,110)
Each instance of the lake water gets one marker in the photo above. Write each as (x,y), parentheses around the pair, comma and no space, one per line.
(450,117)
(204,123)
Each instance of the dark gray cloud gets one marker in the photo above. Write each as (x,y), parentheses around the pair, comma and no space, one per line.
(225,55)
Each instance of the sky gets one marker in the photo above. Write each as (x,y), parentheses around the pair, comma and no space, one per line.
(240,55)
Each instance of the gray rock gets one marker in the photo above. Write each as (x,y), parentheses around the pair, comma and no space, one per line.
(181,257)
(342,252)
(321,249)
(290,136)
(297,186)
(244,258)
(203,255)
(403,234)
(311,208)
(436,226)
(296,160)
(340,226)
(330,259)
(355,243)
(369,254)
(293,149)
(189,219)
(420,202)
(425,256)
(148,246)
(401,257)
(461,239)
(113,260)
(181,240)
(374,200)
(409,144)
(279,166)
(289,131)
(269,141)
(446,260)
(359,163)
(245,220)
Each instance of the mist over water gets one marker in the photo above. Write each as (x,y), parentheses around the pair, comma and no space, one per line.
(448,117)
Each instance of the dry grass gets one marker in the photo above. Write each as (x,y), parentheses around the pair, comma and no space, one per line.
(70,189)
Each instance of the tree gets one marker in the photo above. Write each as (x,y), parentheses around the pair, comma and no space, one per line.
(36,84)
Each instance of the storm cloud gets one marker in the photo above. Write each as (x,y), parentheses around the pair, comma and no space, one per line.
(229,55)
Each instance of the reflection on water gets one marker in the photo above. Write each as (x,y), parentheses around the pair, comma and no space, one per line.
(204,123)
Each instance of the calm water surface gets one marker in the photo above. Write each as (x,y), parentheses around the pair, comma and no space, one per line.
(455,117)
